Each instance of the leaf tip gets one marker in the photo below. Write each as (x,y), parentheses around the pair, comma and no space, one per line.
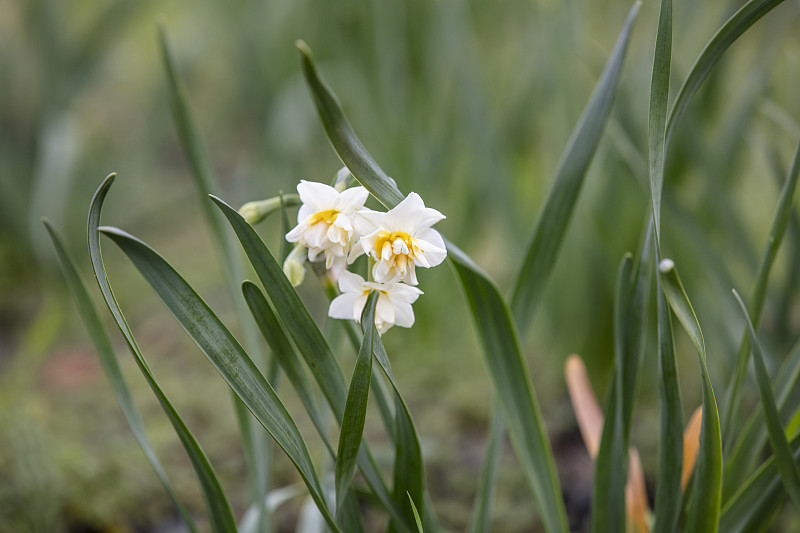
(666,266)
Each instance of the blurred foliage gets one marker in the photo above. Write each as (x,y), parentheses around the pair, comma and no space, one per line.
(468,103)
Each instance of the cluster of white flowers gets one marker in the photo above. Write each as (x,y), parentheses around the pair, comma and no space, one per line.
(333,222)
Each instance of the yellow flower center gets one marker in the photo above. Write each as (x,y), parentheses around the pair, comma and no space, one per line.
(395,240)
(328,217)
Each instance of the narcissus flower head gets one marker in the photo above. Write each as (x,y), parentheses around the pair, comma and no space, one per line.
(399,240)
(392,309)
(325,220)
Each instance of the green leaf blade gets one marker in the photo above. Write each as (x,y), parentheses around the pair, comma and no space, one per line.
(108,359)
(789,472)
(219,511)
(355,409)
(226,355)
(705,509)
(553,221)
(513,387)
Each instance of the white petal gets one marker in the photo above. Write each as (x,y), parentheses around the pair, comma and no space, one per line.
(350,282)
(351,199)
(382,273)
(342,306)
(384,310)
(432,246)
(411,214)
(296,233)
(367,221)
(402,293)
(403,315)
(318,196)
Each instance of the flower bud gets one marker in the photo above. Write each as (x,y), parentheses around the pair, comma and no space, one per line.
(293,267)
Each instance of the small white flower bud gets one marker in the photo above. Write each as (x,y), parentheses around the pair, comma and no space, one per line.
(666,266)
(293,267)
(343,179)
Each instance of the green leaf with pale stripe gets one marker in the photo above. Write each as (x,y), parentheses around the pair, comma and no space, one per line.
(787,468)
(301,329)
(758,498)
(553,220)
(355,408)
(611,465)
(284,354)
(670,444)
(226,355)
(509,374)
(759,294)
(659,96)
(733,28)
(219,511)
(747,450)
(705,507)
(108,359)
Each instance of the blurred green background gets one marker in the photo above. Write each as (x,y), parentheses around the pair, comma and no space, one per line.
(468,103)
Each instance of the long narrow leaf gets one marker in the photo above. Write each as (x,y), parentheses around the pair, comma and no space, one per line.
(108,359)
(219,511)
(284,354)
(553,220)
(759,293)
(611,466)
(705,509)
(499,340)
(745,453)
(226,355)
(513,387)
(733,28)
(659,95)
(300,327)
(355,409)
(787,468)
(670,444)
(757,499)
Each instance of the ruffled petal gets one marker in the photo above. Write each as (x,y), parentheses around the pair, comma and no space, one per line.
(351,199)
(318,196)
(403,315)
(343,305)
(350,282)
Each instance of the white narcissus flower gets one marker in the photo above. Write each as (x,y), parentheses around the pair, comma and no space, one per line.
(325,220)
(393,307)
(399,240)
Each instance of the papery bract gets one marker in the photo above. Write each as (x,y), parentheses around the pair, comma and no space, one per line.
(399,240)
(393,307)
(325,220)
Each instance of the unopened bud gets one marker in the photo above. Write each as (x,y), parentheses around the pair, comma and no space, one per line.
(293,267)
(255,212)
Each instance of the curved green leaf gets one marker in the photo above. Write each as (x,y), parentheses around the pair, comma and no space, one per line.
(659,96)
(758,498)
(553,220)
(705,508)
(759,294)
(219,511)
(284,354)
(509,374)
(733,28)
(481,521)
(787,468)
(301,329)
(343,138)
(226,355)
(355,409)
(746,452)
(670,444)
(111,367)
